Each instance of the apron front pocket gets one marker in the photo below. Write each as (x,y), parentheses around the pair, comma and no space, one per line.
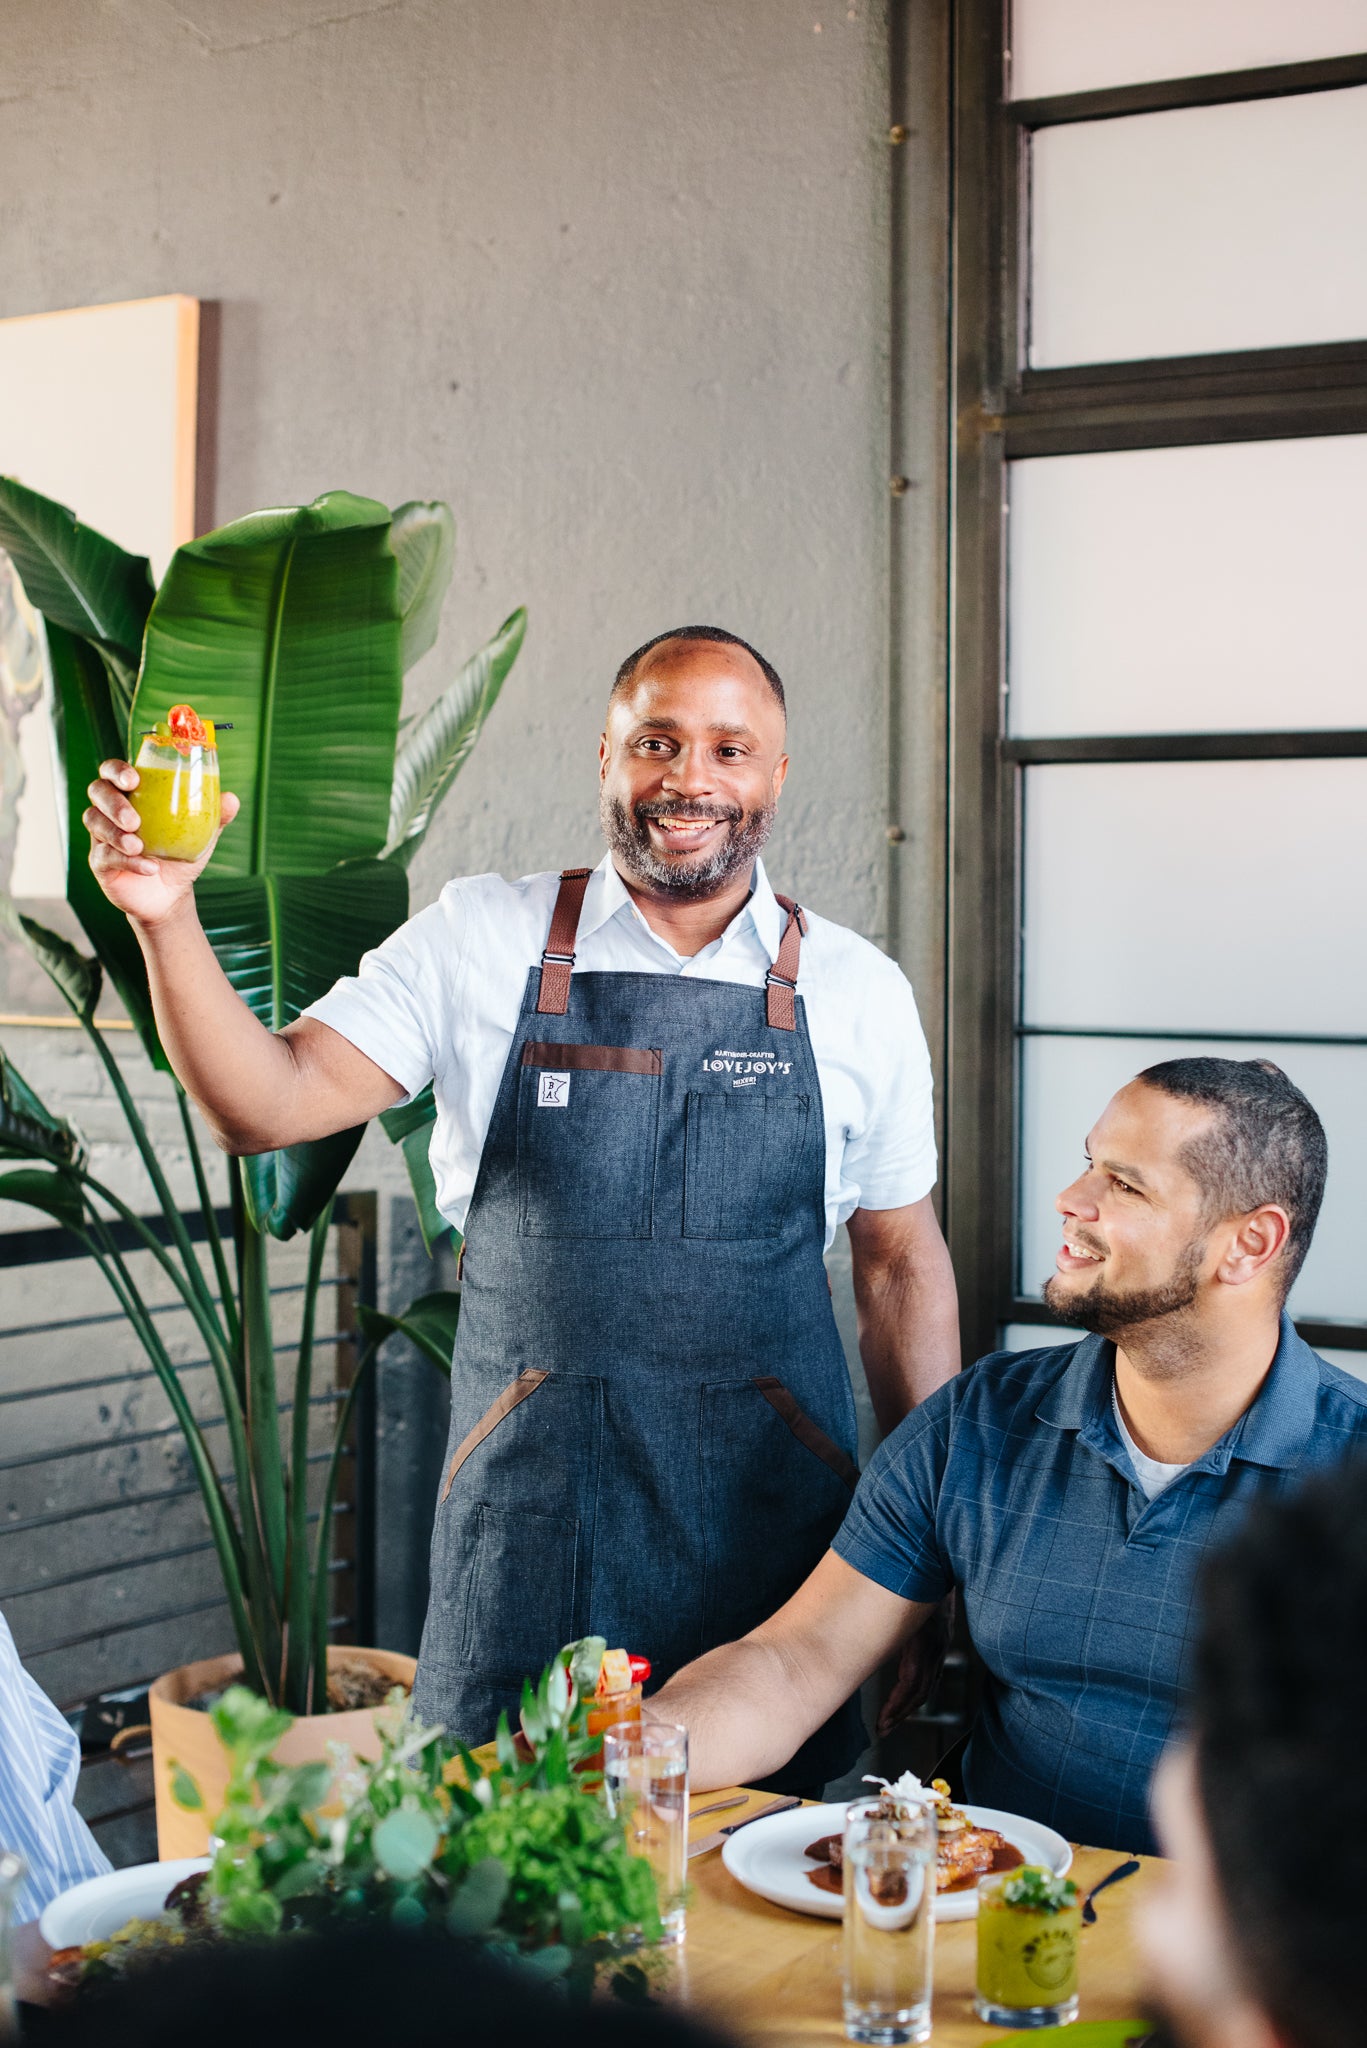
(586,1131)
(520,1606)
(744,1155)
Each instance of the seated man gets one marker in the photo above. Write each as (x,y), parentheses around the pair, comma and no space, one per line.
(1254,1939)
(39,1760)
(1071,1493)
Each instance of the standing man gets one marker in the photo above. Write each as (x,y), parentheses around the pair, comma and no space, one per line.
(660,1089)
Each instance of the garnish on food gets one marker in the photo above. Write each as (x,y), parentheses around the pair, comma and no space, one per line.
(1038,1890)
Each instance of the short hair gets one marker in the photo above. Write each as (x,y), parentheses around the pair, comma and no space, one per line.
(716,636)
(1265,1144)
(1280,1674)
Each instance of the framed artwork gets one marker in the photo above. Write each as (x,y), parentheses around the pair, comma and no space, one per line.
(100,407)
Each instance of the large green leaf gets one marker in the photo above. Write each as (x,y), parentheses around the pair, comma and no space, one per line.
(436,746)
(88,733)
(282,941)
(429,1322)
(410,1126)
(56,1193)
(73,973)
(28,1129)
(287,624)
(423,536)
(72,574)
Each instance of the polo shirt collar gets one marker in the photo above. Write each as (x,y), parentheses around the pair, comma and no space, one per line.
(607,897)
(1273,1431)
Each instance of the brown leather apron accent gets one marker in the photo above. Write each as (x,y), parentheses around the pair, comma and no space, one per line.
(557,962)
(599,1059)
(806,1431)
(526,1383)
(780,983)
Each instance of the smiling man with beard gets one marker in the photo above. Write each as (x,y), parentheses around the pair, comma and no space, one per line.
(660,1089)
(1071,1493)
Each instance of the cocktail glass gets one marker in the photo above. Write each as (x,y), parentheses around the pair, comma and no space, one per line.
(177,797)
(645,1784)
(1027,1950)
(889,1884)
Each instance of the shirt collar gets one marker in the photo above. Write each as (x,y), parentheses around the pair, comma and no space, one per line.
(1273,1431)
(607,897)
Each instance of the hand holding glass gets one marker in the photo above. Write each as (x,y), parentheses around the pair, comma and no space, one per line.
(177,797)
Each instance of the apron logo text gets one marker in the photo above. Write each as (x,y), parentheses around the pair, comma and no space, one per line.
(724,1061)
(553,1091)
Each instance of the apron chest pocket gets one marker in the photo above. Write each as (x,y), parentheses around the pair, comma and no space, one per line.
(744,1156)
(586,1130)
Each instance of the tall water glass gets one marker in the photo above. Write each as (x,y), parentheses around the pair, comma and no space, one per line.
(645,1783)
(889,1873)
(12,1875)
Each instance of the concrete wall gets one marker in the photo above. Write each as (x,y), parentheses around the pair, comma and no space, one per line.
(611,276)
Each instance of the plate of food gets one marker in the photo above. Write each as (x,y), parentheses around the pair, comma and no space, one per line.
(103,1906)
(793,1859)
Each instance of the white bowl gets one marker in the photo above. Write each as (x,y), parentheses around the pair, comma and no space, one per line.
(102,1905)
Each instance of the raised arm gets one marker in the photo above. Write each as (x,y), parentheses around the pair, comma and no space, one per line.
(750,1705)
(257,1089)
(907,1306)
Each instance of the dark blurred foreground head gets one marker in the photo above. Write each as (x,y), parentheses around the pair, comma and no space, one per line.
(1260,1938)
(354,1989)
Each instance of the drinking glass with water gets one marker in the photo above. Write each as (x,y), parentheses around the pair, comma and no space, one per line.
(645,1783)
(889,1878)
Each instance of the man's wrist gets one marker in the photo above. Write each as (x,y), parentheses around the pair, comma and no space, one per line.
(183,916)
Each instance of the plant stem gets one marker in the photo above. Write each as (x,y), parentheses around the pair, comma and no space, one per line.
(225,1286)
(301,1591)
(320,1570)
(227,1540)
(263,1430)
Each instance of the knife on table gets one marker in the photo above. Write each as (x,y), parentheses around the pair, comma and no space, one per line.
(715,1839)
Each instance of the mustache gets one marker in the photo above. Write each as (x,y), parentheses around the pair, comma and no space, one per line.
(657,807)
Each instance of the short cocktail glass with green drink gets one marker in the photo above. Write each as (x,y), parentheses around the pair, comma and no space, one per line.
(177,797)
(888,1862)
(1029,1921)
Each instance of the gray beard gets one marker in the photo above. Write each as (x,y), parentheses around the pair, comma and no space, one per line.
(628,837)
(1110,1312)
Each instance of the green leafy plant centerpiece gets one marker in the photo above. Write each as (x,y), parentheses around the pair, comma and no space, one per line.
(518,1854)
(297,626)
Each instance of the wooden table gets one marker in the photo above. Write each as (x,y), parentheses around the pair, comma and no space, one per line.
(771,1975)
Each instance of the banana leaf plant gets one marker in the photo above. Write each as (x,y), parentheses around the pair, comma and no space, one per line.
(296,626)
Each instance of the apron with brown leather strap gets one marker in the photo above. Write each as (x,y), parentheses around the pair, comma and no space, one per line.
(652,1428)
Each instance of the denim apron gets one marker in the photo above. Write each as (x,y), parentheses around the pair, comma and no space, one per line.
(652,1427)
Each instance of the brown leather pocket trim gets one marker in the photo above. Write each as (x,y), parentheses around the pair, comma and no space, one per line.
(806,1431)
(598,1059)
(526,1383)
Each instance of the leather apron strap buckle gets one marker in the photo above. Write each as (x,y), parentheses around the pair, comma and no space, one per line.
(780,983)
(557,961)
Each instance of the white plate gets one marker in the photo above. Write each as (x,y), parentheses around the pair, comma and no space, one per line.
(102,1905)
(767,1857)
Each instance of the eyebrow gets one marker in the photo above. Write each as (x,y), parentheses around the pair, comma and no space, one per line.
(1123,1172)
(673,725)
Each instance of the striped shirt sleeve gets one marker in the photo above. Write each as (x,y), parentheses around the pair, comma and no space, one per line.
(39,1762)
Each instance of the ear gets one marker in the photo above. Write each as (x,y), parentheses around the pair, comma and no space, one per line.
(1257,1240)
(602,755)
(780,774)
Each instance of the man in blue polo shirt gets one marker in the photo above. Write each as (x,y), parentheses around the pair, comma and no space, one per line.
(1071,1493)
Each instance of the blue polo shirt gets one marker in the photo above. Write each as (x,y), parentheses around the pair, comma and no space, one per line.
(1013,1484)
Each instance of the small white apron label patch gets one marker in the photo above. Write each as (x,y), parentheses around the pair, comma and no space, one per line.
(553,1091)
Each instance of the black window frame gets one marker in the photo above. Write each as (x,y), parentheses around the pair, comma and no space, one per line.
(1004,411)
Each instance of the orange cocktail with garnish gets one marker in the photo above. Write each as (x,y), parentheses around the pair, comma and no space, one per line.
(617,1696)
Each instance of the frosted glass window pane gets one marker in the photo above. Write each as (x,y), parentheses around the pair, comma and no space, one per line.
(1197,896)
(1078,46)
(1200,230)
(1354,1362)
(1214,589)
(1066,1084)
(1035,1336)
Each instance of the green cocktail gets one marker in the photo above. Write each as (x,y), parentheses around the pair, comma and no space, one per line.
(1028,1927)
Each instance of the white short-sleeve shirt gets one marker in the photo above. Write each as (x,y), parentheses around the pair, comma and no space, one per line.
(439,1001)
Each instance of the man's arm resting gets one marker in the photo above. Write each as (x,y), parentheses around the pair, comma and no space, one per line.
(907,1306)
(750,1705)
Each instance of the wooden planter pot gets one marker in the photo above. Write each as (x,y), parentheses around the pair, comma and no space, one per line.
(185,1735)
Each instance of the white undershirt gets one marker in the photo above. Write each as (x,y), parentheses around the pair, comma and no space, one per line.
(1153,1475)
